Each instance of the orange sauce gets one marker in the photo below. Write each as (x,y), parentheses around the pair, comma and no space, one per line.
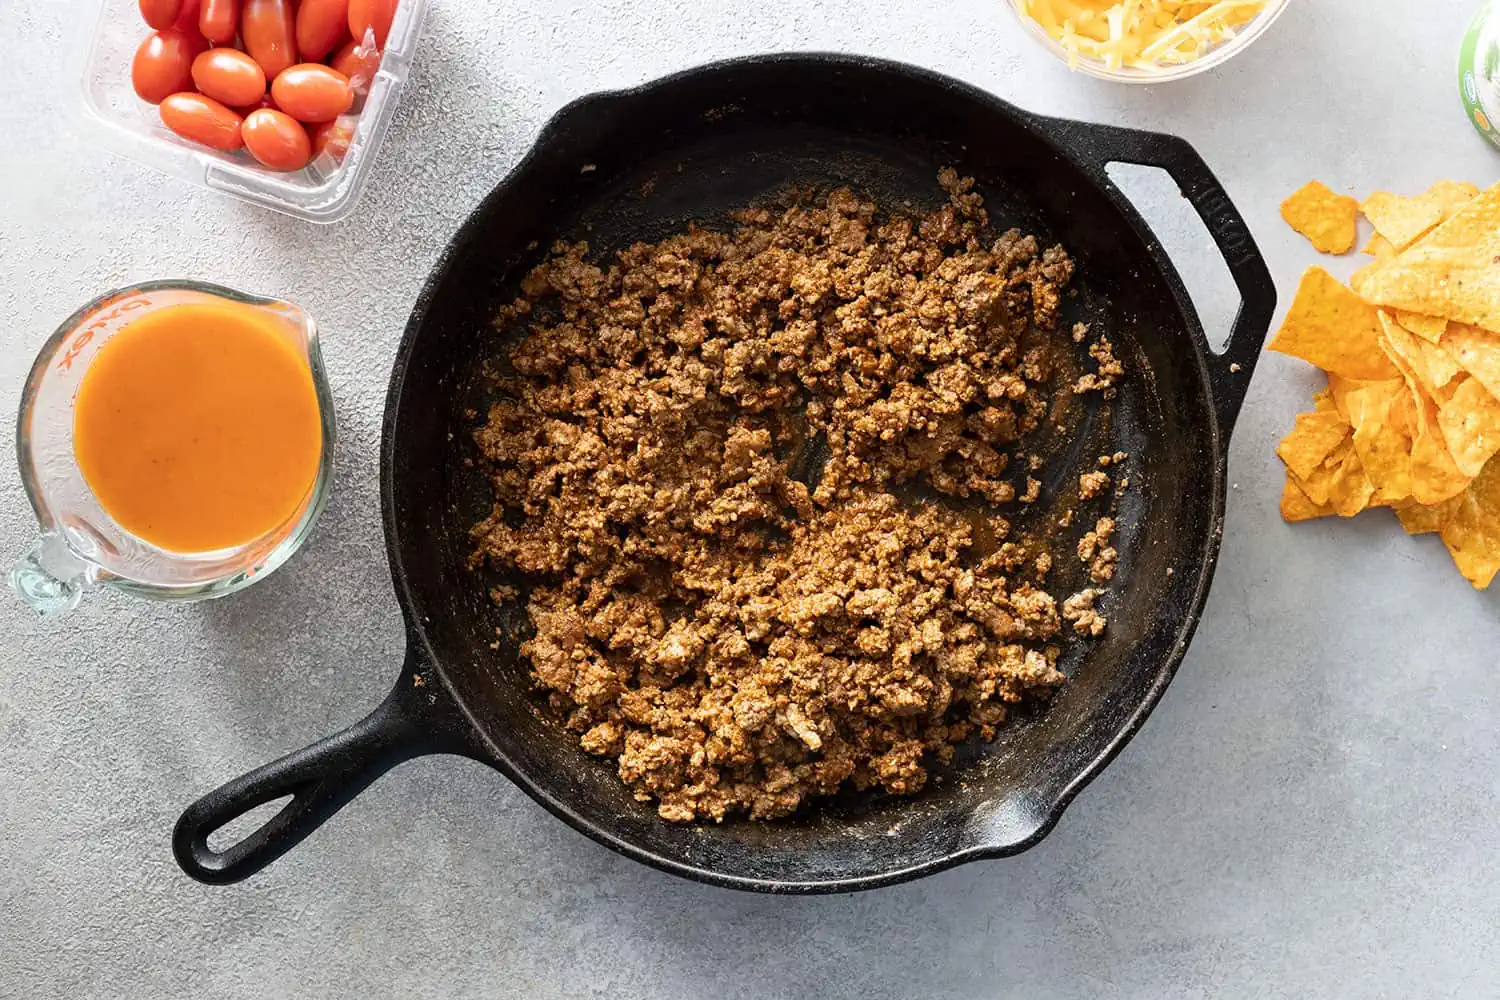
(197,426)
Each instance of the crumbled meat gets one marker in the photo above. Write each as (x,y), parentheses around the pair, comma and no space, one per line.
(1110,369)
(1095,550)
(1080,611)
(1092,484)
(739,633)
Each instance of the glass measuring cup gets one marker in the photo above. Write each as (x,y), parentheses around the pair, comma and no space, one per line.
(81,545)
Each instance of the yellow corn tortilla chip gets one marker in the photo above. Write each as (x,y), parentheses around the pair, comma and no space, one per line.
(1379,247)
(1339,483)
(1428,365)
(1401,220)
(1316,436)
(1329,220)
(1364,273)
(1401,349)
(1452,196)
(1470,421)
(1297,506)
(1383,437)
(1451,272)
(1472,532)
(1421,519)
(1429,328)
(1350,491)
(1339,389)
(1435,476)
(1476,351)
(1441,368)
(1323,402)
(1329,326)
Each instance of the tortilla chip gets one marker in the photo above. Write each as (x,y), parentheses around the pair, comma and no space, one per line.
(1424,364)
(1339,484)
(1421,519)
(1329,326)
(1470,422)
(1429,328)
(1316,436)
(1411,415)
(1472,532)
(1477,352)
(1329,220)
(1452,196)
(1339,389)
(1451,272)
(1350,491)
(1365,273)
(1402,349)
(1441,368)
(1379,247)
(1383,437)
(1400,220)
(1435,476)
(1297,506)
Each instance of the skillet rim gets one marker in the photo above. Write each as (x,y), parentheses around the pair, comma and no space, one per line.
(1048,130)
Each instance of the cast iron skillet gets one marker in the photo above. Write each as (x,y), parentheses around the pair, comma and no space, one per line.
(617,168)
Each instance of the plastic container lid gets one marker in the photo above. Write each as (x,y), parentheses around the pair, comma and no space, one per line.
(324,192)
(1479,72)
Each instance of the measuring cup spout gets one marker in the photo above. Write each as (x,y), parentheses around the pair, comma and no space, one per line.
(52,578)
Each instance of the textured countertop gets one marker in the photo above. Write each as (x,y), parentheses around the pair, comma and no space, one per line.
(1310,813)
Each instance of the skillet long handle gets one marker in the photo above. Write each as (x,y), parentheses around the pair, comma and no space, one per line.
(320,780)
(1230,370)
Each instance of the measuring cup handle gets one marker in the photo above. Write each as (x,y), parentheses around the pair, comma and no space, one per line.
(52,578)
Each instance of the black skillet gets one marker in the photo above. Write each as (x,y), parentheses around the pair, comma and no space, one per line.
(641,164)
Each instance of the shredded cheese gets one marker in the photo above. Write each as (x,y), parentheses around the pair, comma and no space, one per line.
(1140,34)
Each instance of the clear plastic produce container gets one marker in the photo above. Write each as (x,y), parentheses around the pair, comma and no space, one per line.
(325,191)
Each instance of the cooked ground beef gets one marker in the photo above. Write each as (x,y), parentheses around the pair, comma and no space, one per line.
(698,459)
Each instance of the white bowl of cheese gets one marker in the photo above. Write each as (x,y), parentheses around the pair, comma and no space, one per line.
(1146,41)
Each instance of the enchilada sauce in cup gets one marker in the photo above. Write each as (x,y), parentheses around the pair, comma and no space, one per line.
(174,441)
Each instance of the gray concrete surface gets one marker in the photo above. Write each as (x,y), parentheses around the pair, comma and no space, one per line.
(1311,812)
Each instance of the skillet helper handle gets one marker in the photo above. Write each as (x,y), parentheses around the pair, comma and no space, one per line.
(321,779)
(1229,371)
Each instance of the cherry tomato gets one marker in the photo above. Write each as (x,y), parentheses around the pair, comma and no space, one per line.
(163,64)
(202,119)
(243,110)
(269,32)
(321,26)
(371,15)
(188,19)
(229,77)
(161,14)
(277,140)
(358,62)
(219,20)
(334,138)
(311,92)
